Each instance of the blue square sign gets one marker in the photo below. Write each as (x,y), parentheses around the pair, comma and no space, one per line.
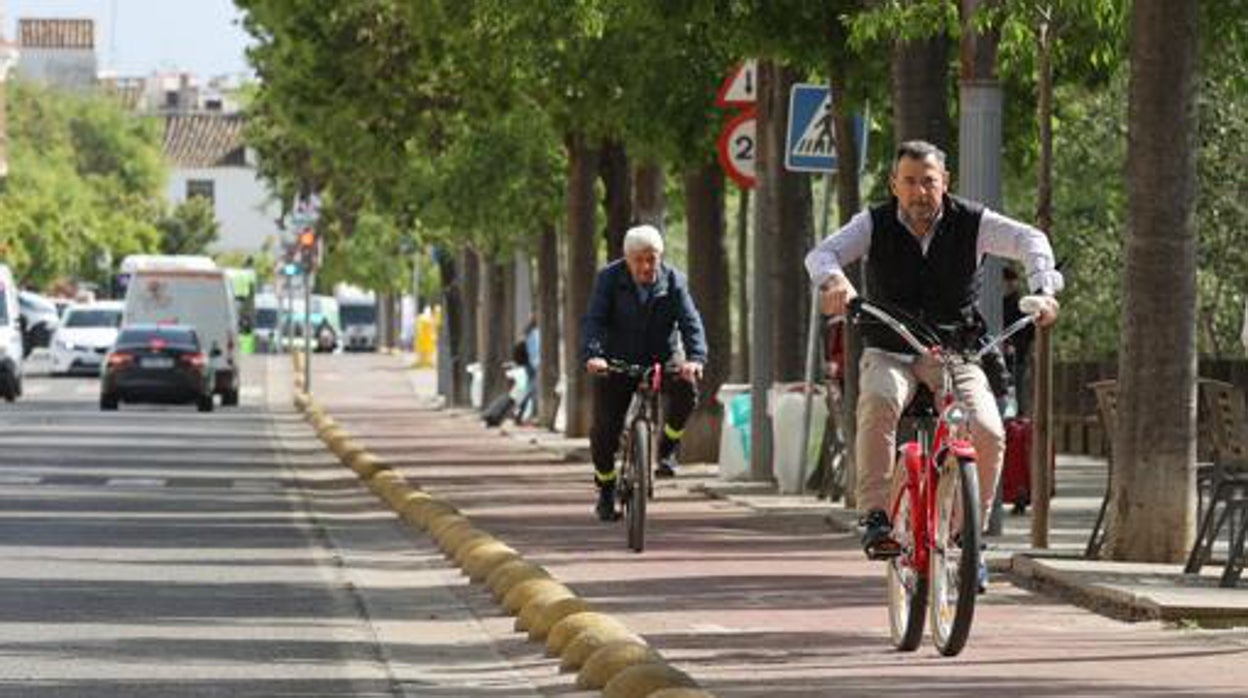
(811,143)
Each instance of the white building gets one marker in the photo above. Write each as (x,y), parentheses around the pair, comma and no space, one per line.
(207,158)
(58,52)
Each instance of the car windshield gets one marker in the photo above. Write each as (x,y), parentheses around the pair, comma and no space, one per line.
(266,318)
(173,336)
(94,318)
(357,314)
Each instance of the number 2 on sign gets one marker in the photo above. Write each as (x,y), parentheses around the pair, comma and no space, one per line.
(744,146)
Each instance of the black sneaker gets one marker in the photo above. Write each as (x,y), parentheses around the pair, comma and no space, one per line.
(666,468)
(877,536)
(606,504)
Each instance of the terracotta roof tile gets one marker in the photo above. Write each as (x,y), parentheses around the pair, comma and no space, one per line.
(56,33)
(204,140)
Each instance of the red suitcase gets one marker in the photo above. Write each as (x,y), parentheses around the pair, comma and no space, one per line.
(1016,473)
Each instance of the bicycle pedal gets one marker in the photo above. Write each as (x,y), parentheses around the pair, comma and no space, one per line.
(886,550)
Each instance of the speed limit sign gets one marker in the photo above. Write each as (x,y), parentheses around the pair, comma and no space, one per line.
(737,146)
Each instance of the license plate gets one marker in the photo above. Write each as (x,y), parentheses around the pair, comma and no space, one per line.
(156,362)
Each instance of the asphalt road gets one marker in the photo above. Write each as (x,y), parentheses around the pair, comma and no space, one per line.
(156,551)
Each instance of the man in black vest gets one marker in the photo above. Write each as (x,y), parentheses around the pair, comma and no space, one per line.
(923,248)
(640,312)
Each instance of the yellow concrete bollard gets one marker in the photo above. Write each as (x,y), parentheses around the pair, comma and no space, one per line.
(528,590)
(537,604)
(549,615)
(483,560)
(565,631)
(645,679)
(592,639)
(611,659)
(510,574)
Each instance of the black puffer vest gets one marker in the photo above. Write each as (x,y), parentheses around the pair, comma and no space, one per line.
(939,288)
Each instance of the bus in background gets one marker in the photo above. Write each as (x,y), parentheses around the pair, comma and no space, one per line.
(357,312)
(188,290)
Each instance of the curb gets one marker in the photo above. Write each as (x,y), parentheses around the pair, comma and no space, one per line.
(605,653)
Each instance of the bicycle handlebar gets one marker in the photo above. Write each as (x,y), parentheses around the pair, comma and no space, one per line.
(1030,305)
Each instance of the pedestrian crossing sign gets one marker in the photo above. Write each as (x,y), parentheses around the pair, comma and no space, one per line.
(810,143)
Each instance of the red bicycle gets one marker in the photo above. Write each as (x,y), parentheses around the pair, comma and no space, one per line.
(934,505)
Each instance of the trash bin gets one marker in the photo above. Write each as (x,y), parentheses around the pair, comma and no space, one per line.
(787,405)
(734,433)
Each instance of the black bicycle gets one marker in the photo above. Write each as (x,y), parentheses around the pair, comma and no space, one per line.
(638,447)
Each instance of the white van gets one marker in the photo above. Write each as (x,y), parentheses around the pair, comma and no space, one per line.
(10,337)
(357,311)
(163,292)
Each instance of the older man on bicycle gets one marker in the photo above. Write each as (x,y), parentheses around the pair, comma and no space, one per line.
(923,248)
(640,312)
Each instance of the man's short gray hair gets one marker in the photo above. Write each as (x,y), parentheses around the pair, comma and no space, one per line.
(643,237)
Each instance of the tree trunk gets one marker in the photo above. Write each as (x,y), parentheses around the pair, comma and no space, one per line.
(582,262)
(789,226)
(741,362)
(548,324)
(649,195)
(920,84)
(471,275)
(708,278)
(617,198)
(493,340)
(848,201)
(1153,495)
(452,322)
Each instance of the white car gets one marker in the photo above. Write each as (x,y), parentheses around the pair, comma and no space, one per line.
(86,334)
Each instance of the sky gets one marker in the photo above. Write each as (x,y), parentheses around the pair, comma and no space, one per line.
(139,37)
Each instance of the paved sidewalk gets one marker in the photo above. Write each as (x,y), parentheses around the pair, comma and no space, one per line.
(750,594)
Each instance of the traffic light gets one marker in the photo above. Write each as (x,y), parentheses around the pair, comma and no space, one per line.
(306,251)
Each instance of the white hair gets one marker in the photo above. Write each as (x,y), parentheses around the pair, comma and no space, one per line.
(643,237)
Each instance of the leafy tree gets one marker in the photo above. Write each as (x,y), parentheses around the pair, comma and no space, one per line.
(191,228)
(85,180)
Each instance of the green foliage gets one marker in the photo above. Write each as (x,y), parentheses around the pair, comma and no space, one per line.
(85,179)
(190,228)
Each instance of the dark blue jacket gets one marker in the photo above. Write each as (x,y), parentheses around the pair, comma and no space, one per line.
(618,326)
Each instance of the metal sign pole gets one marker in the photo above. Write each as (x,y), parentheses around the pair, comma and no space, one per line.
(812,344)
(307,331)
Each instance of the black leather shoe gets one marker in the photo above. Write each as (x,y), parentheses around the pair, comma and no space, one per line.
(877,536)
(666,468)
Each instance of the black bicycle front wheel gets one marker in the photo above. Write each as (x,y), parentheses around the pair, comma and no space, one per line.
(639,475)
(954,562)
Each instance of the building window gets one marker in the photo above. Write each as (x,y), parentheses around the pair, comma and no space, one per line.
(199,187)
(171,99)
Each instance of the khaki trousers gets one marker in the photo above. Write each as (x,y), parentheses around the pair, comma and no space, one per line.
(886,383)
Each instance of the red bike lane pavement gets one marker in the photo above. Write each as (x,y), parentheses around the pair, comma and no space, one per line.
(749,604)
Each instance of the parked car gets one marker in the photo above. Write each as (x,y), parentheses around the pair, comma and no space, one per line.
(86,334)
(39,320)
(157,363)
(11,353)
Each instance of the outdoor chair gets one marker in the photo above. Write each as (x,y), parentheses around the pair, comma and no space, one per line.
(1106,392)
(1228,483)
